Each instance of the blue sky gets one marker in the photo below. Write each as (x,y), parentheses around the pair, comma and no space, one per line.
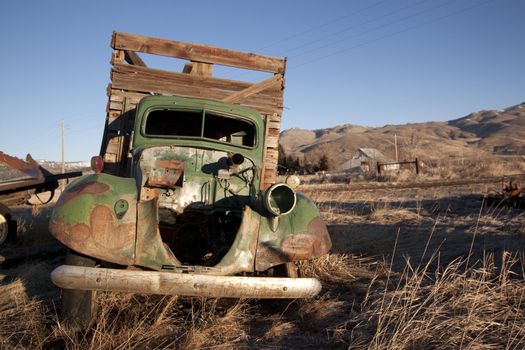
(371,62)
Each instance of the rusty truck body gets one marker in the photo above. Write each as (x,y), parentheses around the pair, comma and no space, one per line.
(184,198)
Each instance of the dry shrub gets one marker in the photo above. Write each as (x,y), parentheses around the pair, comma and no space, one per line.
(157,322)
(453,308)
(21,318)
(213,329)
(472,167)
(23,315)
(338,269)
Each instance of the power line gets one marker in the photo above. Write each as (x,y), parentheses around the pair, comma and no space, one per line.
(309,30)
(376,28)
(354,26)
(392,34)
(322,25)
(362,33)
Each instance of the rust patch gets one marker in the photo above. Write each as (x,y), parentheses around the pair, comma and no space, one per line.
(104,238)
(85,188)
(300,246)
(318,227)
(170,164)
(167,173)
(106,231)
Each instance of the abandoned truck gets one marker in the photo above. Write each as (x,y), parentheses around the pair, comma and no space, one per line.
(187,202)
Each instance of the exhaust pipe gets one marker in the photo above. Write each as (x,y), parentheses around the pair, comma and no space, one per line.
(167,283)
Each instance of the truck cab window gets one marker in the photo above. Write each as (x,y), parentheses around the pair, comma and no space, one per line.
(174,123)
(229,130)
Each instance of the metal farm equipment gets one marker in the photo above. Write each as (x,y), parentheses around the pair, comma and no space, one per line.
(18,191)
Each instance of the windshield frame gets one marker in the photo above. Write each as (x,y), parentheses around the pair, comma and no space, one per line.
(203,112)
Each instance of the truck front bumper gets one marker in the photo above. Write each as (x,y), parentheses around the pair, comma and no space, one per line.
(167,283)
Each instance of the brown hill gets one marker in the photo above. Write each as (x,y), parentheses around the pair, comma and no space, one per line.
(477,134)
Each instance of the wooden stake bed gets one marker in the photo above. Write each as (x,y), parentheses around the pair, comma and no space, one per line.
(131,80)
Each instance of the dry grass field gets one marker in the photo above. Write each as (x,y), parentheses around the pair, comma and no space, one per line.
(409,269)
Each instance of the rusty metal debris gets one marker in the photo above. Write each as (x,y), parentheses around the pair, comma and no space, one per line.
(19,191)
(512,189)
(38,179)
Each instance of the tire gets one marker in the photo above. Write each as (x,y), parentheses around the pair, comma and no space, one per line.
(7,225)
(79,307)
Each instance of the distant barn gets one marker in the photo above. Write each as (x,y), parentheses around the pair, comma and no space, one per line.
(366,159)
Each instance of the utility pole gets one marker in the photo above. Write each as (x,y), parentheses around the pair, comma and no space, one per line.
(62,182)
(63,163)
(395,145)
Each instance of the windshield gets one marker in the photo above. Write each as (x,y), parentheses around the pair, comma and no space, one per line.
(208,125)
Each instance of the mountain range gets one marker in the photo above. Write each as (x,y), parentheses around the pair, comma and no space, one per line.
(475,135)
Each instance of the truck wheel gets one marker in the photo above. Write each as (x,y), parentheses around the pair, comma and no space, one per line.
(79,307)
(7,226)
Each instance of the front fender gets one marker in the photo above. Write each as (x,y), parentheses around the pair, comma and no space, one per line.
(96,216)
(300,235)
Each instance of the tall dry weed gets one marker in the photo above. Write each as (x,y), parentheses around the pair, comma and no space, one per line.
(451,308)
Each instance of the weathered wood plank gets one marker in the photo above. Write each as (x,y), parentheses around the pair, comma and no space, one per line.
(272,155)
(201,82)
(120,95)
(133,58)
(270,177)
(274,124)
(197,52)
(162,86)
(275,81)
(115,105)
(272,141)
(275,117)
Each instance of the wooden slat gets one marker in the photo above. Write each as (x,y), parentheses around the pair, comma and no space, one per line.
(120,95)
(272,141)
(133,58)
(274,124)
(115,105)
(270,177)
(197,52)
(275,81)
(276,117)
(200,82)
(146,83)
(272,155)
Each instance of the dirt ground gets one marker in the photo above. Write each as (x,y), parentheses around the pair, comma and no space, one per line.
(409,269)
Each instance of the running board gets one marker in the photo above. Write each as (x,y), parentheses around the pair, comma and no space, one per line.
(166,283)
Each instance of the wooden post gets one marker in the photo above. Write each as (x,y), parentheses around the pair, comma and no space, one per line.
(395,144)
(186,284)
(417,166)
